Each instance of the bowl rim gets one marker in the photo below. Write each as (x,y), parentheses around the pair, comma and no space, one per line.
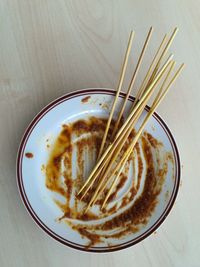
(25,199)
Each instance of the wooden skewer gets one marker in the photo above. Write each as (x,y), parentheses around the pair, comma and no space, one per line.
(118,144)
(154,82)
(159,61)
(143,85)
(120,137)
(174,78)
(121,145)
(108,168)
(95,169)
(157,97)
(157,79)
(106,182)
(133,79)
(140,92)
(119,168)
(124,66)
(122,164)
(173,63)
(157,101)
(163,54)
(104,160)
(137,115)
(95,175)
(116,147)
(113,184)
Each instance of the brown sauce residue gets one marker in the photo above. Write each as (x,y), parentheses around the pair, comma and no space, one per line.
(65,176)
(29,155)
(153,141)
(85,99)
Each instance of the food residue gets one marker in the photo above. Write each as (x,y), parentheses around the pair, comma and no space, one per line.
(29,155)
(105,105)
(134,197)
(85,99)
(167,195)
(43,168)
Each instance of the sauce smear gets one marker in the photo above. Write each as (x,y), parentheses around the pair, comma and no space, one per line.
(134,198)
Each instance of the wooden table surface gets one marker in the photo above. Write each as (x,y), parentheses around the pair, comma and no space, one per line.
(49,48)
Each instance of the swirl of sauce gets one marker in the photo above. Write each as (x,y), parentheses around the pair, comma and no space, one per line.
(135,196)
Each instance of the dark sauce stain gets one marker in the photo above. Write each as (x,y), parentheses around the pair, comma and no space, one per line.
(29,155)
(85,99)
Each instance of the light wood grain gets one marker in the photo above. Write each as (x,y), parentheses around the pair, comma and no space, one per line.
(48,48)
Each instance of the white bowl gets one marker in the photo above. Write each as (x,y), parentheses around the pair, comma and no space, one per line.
(39,200)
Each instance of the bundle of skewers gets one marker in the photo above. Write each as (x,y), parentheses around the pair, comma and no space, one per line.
(159,78)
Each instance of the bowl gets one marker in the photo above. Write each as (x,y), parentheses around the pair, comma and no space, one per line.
(57,153)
